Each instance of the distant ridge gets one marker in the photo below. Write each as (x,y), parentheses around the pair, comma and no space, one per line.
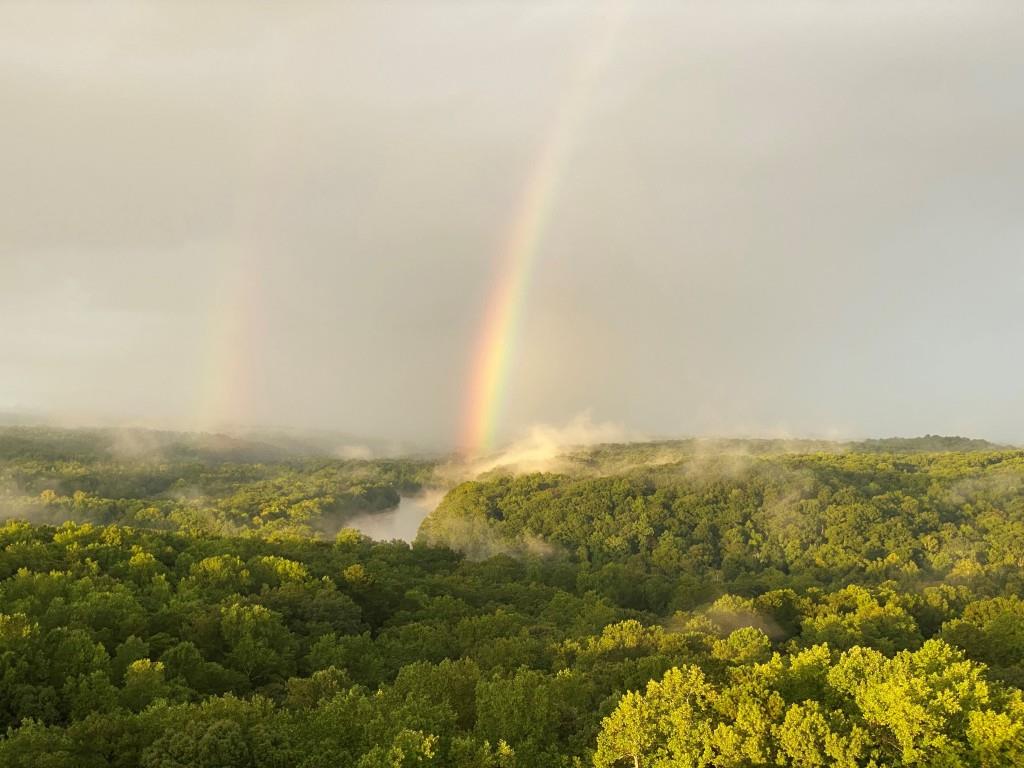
(142,444)
(926,444)
(89,444)
(771,446)
(119,443)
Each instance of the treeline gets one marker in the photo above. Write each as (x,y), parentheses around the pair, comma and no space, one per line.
(765,609)
(193,484)
(673,536)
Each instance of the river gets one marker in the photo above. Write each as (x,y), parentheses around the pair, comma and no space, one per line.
(402,522)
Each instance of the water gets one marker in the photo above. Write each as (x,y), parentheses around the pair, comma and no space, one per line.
(400,523)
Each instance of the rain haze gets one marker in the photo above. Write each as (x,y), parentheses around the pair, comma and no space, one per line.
(693,218)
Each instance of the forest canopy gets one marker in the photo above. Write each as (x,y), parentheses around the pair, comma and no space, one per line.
(200,601)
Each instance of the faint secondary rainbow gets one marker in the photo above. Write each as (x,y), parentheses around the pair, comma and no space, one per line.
(496,342)
(228,388)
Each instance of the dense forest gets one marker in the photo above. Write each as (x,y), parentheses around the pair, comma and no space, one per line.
(173,601)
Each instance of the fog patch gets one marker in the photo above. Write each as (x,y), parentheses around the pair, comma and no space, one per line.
(362,452)
(543,448)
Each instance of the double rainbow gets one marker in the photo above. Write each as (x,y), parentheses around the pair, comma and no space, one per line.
(225,391)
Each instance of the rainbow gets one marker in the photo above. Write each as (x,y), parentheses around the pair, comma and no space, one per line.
(226,398)
(517,258)
(226,394)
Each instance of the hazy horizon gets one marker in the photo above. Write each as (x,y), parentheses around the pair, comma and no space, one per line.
(536,446)
(789,219)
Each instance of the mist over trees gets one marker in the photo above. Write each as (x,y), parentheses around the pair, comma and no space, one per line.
(664,604)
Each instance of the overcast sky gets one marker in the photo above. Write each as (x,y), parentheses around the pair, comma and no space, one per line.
(775,217)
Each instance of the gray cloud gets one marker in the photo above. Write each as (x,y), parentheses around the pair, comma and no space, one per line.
(793,217)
